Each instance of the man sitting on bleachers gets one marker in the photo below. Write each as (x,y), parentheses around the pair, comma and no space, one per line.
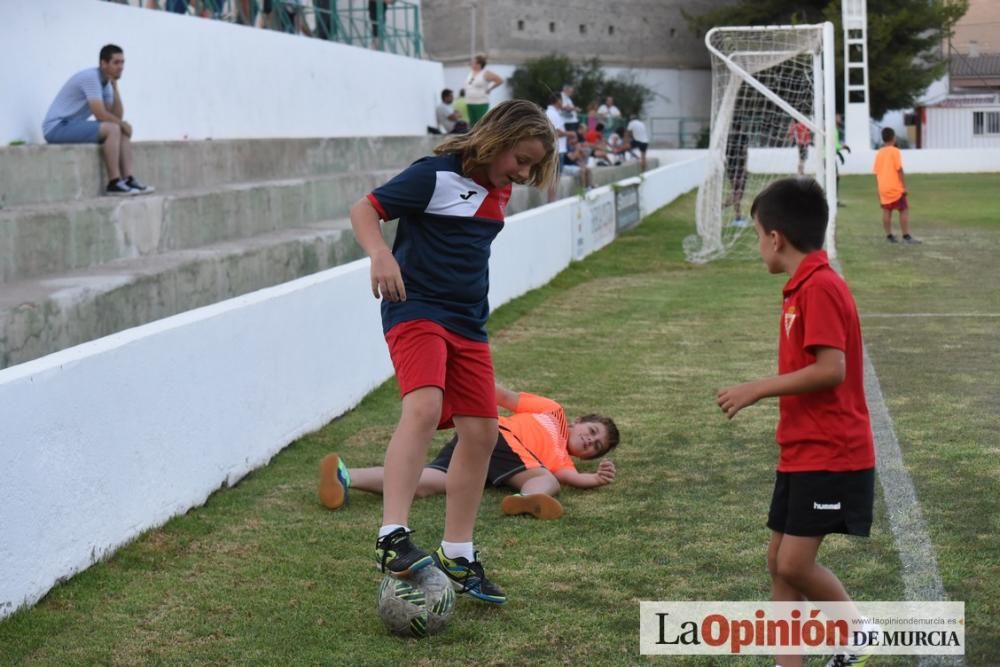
(94,91)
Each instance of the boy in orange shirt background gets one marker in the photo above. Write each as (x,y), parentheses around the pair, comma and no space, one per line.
(888,171)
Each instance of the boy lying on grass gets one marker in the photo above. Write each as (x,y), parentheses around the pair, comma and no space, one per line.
(533,455)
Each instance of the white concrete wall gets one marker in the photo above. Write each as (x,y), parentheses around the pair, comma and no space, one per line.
(915,161)
(533,247)
(194,78)
(684,171)
(105,440)
(931,161)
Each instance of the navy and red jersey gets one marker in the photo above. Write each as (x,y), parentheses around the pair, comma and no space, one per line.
(829,429)
(447,222)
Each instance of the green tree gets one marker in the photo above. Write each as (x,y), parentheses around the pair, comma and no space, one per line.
(904,40)
(537,79)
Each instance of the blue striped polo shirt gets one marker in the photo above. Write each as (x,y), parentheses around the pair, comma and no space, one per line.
(447,222)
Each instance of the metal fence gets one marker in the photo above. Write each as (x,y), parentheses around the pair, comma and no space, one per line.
(679,131)
(394,28)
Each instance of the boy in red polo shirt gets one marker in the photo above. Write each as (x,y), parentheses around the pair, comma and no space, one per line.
(826,467)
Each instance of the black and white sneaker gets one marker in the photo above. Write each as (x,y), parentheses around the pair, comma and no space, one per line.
(119,188)
(397,556)
(139,187)
(848,660)
(911,240)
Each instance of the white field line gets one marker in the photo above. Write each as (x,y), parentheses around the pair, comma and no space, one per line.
(921,579)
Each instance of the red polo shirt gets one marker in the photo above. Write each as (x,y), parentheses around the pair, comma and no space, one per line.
(829,429)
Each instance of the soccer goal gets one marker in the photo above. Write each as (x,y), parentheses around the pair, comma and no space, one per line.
(773,101)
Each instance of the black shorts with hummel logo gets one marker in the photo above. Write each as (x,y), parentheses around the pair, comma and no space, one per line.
(811,504)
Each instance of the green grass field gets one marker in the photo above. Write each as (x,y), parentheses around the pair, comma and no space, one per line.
(263,575)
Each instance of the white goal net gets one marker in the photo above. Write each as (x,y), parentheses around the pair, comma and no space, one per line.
(772,117)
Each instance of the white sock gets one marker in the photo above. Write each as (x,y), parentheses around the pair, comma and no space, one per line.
(388,528)
(458,550)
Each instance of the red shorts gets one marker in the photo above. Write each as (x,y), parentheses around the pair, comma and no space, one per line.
(425,354)
(898,205)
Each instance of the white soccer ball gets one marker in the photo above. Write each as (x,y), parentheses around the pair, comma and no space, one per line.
(418,606)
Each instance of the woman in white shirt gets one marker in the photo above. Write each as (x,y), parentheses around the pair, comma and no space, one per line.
(478,86)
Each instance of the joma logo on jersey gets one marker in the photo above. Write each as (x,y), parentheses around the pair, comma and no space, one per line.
(466,196)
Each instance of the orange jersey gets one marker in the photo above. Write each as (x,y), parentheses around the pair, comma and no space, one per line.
(888,163)
(538,431)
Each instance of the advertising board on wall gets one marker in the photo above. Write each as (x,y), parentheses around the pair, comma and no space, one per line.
(594,225)
(627,204)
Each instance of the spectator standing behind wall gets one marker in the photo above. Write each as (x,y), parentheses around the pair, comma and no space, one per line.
(326,24)
(610,115)
(373,14)
(175,6)
(569,110)
(640,139)
(94,91)
(478,86)
(554,114)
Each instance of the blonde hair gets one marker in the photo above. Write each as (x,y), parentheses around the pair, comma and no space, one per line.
(502,128)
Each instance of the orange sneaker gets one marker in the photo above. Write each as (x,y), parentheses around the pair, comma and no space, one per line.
(539,505)
(334,481)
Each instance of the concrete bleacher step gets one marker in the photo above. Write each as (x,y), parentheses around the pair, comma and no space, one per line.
(50,174)
(56,311)
(38,240)
(228,218)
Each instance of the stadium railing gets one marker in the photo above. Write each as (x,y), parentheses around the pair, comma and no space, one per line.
(348,22)
(677,131)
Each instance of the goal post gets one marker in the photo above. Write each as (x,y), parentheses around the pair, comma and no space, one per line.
(773,113)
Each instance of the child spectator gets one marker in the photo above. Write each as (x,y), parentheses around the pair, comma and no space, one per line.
(533,455)
(434,285)
(619,149)
(599,151)
(575,161)
(888,169)
(826,466)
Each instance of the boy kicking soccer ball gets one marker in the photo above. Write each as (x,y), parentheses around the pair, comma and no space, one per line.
(532,455)
(826,466)
(434,286)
